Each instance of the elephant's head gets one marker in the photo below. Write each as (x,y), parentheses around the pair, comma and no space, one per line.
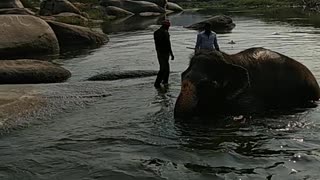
(208,84)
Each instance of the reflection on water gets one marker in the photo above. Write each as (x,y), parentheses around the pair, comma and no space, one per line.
(124,129)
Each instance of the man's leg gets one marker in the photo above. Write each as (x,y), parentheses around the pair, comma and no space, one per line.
(161,71)
(165,67)
(159,79)
(166,73)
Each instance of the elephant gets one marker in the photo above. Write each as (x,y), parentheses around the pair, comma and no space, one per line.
(250,82)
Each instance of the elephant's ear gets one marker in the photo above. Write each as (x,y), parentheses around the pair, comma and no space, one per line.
(235,80)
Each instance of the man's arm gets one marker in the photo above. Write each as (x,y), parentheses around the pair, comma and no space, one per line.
(198,42)
(170,49)
(155,38)
(215,42)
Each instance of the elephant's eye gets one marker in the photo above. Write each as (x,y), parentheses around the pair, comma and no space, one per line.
(208,84)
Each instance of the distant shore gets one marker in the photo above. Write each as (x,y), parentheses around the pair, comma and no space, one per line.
(249,4)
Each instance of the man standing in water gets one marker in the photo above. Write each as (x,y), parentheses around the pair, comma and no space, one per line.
(207,40)
(163,48)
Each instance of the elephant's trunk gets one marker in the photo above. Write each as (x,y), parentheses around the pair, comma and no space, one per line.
(187,101)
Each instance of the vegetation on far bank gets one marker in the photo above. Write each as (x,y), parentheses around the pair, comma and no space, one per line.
(91,6)
(240,3)
(206,3)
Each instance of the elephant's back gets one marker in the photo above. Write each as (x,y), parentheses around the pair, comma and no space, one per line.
(277,78)
(301,79)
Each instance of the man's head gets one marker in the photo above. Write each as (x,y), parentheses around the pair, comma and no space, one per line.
(207,27)
(166,23)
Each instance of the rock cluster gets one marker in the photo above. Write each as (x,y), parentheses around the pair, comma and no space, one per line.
(26,40)
(219,24)
(138,7)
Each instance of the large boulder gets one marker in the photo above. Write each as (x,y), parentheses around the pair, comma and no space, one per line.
(135,7)
(71,18)
(219,24)
(174,7)
(26,71)
(116,11)
(25,36)
(10,4)
(51,7)
(161,3)
(76,36)
(22,11)
(132,23)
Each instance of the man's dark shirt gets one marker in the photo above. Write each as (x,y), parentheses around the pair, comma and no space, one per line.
(162,41)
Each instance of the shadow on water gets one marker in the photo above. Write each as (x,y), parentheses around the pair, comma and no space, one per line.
(132,23)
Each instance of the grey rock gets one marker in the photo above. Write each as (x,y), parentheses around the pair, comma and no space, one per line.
(26,36)
(78,36)
(219,24)
(25,71)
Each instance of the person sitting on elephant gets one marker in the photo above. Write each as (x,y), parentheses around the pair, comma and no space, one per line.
(207,40)
(163,48)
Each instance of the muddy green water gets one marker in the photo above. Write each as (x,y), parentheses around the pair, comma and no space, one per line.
(130,133)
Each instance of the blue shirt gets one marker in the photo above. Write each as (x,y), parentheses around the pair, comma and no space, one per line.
(207,42)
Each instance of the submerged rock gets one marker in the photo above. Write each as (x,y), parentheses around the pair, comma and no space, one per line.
(147,14)
(123,75)
(25,36)
(17,102)
(27,71)
(219,24)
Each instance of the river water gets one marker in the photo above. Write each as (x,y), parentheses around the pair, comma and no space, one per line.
(124,129)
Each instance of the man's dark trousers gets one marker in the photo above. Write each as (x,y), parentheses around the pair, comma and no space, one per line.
(163,74)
